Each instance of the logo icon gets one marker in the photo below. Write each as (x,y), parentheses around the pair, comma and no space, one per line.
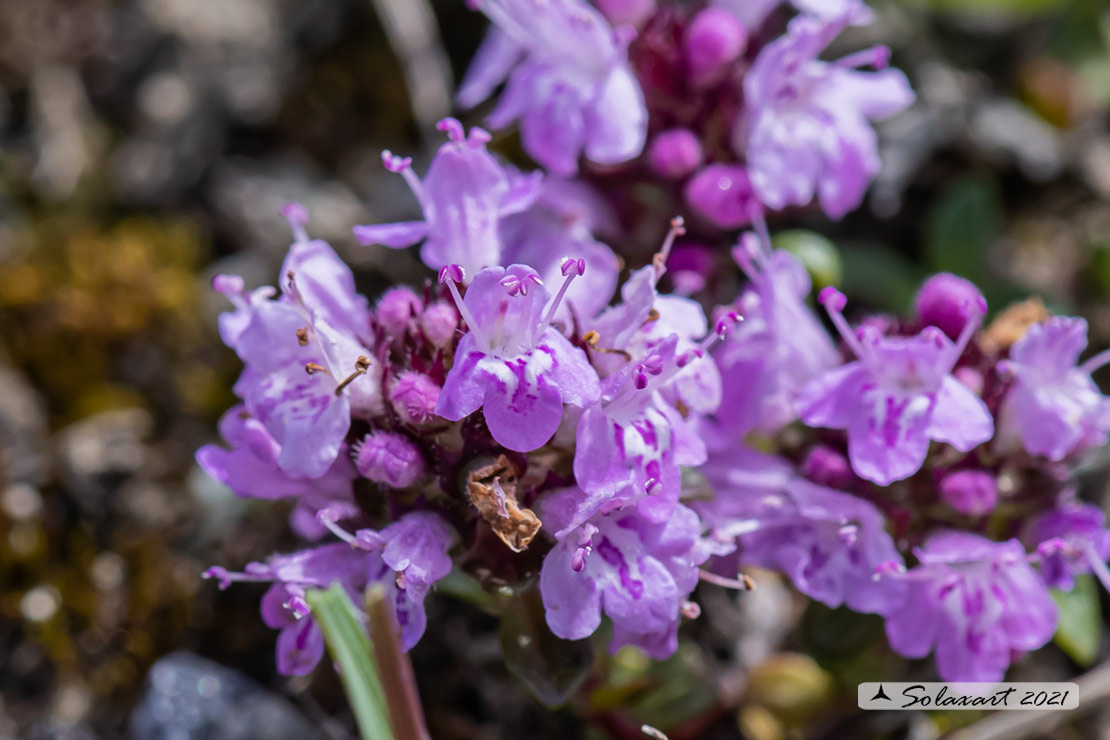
(880,694)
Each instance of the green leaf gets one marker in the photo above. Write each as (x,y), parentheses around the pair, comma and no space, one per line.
(552,668)
(816,252)
(878,276)
(962,227)
(350,647)
(1077,633)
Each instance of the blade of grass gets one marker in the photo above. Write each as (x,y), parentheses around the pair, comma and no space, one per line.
(401,694)
(350,647)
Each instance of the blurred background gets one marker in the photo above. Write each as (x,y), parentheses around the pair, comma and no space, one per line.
(146,145)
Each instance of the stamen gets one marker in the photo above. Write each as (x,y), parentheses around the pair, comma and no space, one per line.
(969,330)
(834,301)
(362,364)
(454,130)
(302,336)
(516,280)
(585,547)
(225,578)
(312,368)
(690,610)
(591,338)
(297,216)
(740,583)
(877,57)
(760,224)
(678,228)
(327,518)
(890,567)
(571,269)
(1094,363)
(448,276)
(747,254)
(1098,567)
(403,165)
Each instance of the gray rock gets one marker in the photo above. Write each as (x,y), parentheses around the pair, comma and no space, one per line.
(190,698)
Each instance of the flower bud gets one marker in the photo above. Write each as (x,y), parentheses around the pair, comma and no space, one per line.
(722,194)
(948,302)
(675,153)
(630,12)
(390,459)
(713,40)
(440,322)
(414,397)
(971,492)
(827,467)
(396,308)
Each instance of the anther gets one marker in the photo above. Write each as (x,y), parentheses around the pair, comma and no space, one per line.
(362,364)
(302,336)
(312,368)
(678,228)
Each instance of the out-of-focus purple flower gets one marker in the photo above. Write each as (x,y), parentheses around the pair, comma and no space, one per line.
(722,194)
(397,308)
(390,459)
(626,12)
(780,346)
(971,492)
(807,132)
(512,363)
(752,13)
(635,571)
(827,467)
(300,644)
(414,396)
(827,542)
(947,302)
(1054,407)
(675,153)
(1071,539)
(569,82)
(439,323)
(714,39)
(561,224)
(897,396)
(972,602)
(463,196)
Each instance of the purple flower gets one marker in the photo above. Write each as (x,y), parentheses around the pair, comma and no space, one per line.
(637,572)
(971,492)
(1071,539)
(807,131)
(569,82)
(752,13)
(250,469)
(390,459)
(304,376)
(827,542)
(631,444)
(300,644)
(561,224)
(463,197)
(897,396)
(397,308)
(512,363)
(675,153)
(1054,406)
(779,347)
(972,602)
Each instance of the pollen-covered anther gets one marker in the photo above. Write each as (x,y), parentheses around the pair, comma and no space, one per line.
(362,364)
(302,336)
(312,368)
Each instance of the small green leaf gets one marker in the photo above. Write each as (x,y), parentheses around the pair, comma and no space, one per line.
(879,276)
(552,668)
(1077,633)
(350,647)
(962,227)
(816,252)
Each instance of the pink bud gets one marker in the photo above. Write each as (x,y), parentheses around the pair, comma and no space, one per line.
(675,153)
(390,459)
(713,40)
(414,397)
(948,302)
(971,492)
(439,322)
(396,308)
(723,195)
(832,299)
